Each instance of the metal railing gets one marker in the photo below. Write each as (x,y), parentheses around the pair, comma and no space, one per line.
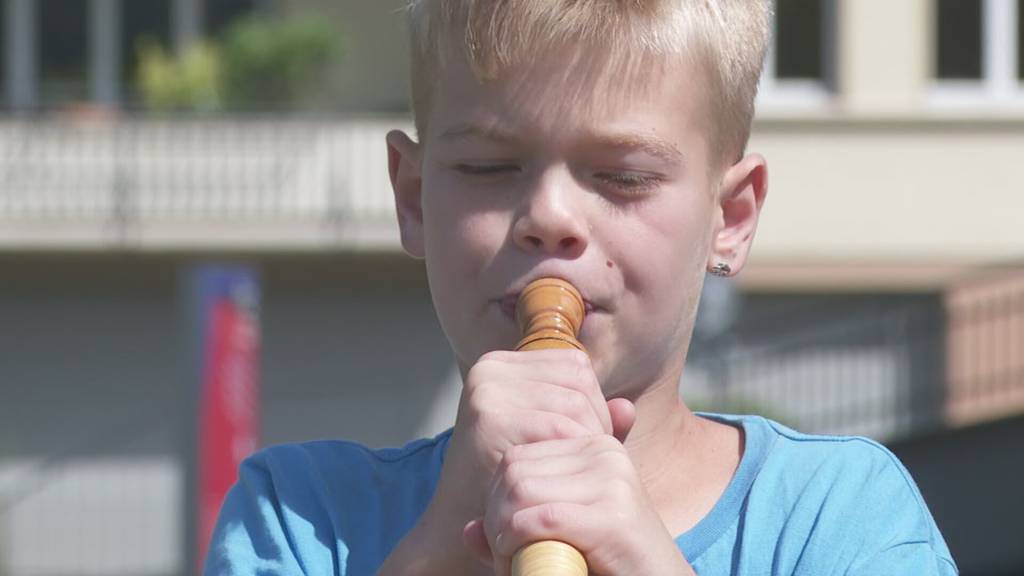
(129,172)
(887,370)
(877,374)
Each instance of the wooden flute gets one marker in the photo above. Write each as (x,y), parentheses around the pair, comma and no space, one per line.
(550,313)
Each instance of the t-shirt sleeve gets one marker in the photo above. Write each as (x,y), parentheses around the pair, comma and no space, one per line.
(257,534)
(249,537)
(898,535)
(322,508)
(907,558)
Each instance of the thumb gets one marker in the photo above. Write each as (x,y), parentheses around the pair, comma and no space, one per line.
(476,540)
(623,414)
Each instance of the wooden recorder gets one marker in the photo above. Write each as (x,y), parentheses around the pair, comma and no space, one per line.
(550,313)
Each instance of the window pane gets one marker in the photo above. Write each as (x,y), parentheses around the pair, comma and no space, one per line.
(220,14)
(798,39)
(146,21)
(63,50)
(959,39)
(4,103)
(1020,39)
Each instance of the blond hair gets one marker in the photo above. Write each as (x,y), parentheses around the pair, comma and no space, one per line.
(726,38)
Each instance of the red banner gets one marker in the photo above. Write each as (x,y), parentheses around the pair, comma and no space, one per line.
(229,399)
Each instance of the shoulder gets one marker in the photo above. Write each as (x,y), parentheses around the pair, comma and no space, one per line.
(330,482)
(844,459)
(799,466)
(306,506)
(341,461)
(842,495)
(796,458)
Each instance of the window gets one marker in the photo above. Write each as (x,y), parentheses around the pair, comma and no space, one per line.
(63,51)
(959,39)
(148,21)
(4,93)
(797,41)
(220,14)
(978,53)
(1020,40)
(799,63)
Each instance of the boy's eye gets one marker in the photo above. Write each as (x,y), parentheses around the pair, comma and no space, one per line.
(624,182)
(486,169)
(630,182)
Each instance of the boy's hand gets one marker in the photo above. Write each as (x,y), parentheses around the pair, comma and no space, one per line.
(584,491)
(509,399)
(515,398)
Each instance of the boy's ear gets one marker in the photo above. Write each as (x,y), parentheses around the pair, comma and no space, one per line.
(404,167)
(741,195)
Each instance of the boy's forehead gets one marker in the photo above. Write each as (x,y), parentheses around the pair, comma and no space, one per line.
(568,92)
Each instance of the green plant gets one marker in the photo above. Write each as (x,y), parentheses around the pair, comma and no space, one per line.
(275,63)
(191,81)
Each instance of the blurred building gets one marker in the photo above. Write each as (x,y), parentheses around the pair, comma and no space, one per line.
(885,295)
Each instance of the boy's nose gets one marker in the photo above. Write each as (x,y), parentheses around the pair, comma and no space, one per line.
(549,223)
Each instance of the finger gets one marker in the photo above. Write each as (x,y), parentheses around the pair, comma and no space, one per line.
(623,416)
(586,446)
(531,426)
(556,461)
(600,454)
(552,396)
(570,369)
(522,488)
(475,539)
(579,374)
(532,392)
(576,524)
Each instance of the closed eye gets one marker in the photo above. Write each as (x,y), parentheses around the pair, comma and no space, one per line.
(630,182)
(486,169)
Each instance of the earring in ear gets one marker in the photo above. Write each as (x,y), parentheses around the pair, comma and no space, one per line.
(721,269)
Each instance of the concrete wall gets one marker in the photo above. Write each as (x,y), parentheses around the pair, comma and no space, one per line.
(340,334)
(95,414)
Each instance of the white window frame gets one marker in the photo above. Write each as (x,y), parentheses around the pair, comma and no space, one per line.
(999,85)
(780,94)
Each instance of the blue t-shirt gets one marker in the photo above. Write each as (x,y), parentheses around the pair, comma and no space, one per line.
(798,504)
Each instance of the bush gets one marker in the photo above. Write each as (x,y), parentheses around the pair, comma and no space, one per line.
(272,63)
(260,63)
(190,82)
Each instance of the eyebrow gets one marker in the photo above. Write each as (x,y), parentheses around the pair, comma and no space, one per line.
(469,130)
(650,144)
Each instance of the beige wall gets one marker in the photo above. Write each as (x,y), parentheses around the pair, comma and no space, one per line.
(877,187)
(883,54)
(908,192)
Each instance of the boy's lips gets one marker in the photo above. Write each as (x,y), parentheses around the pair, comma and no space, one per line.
(508,305)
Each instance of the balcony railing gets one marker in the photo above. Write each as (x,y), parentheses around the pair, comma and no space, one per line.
(140,182)
(889,368)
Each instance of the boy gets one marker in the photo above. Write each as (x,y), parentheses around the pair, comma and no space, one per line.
(602,142)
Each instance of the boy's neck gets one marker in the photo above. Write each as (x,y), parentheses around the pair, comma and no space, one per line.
(684,461)
(664,423)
